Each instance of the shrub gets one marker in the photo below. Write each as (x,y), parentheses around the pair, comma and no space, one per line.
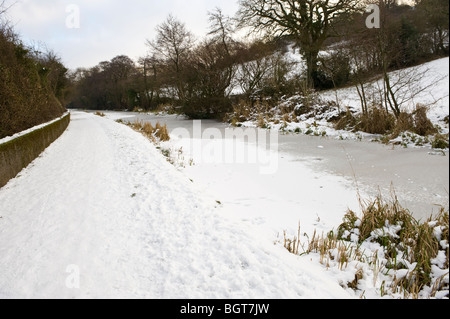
(422,125)
(388,241)
(159,132)
(348,121)
(207,107)
(440,142)
(335,71)
(377,121)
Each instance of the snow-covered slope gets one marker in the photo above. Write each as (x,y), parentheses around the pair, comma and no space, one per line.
(101,214)
(430,88)
(426,85)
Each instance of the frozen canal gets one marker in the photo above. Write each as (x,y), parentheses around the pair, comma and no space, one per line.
(420,180)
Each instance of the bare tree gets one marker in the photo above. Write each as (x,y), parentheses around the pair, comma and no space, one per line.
(149,67)
(173,44)
(309,22)
(222,30)
(3,7)
(406,86)
(257,65)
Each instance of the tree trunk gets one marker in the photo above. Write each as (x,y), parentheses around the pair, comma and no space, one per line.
(312,67)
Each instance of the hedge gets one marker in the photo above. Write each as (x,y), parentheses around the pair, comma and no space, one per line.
(18,153)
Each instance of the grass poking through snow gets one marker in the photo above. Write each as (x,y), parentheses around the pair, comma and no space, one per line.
(157,133)
(401,256)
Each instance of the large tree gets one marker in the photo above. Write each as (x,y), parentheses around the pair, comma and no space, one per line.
(308,22)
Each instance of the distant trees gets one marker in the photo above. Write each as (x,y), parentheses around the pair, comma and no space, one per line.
(109,85)
(199,74)
(433,18)
(201,77)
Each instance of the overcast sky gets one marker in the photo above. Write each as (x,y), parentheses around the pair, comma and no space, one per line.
(107,28)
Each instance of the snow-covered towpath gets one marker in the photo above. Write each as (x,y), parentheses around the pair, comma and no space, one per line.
(101,214)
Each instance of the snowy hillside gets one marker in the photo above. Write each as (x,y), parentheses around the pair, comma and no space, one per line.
(432,82)
(426,85)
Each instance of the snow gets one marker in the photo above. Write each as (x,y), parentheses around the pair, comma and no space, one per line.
(430,89)
(433,82)
(37,127)
(269,200)
(101,214)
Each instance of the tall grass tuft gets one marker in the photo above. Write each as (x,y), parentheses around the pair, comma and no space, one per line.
(156,134)
(415,255)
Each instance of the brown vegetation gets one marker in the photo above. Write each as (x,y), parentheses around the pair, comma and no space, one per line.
(412,243)
(158,133)
(379,121)
(198,78)
(29,85)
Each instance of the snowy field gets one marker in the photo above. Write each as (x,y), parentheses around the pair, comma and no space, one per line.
(101,214)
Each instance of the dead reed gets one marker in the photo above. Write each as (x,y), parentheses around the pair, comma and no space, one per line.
(156,134)
(411,251)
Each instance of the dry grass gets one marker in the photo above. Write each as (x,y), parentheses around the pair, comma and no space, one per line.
(161,132)
(422,124)
(403,240)
(379,121)
(158,133)
(241,112)
(101,114)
